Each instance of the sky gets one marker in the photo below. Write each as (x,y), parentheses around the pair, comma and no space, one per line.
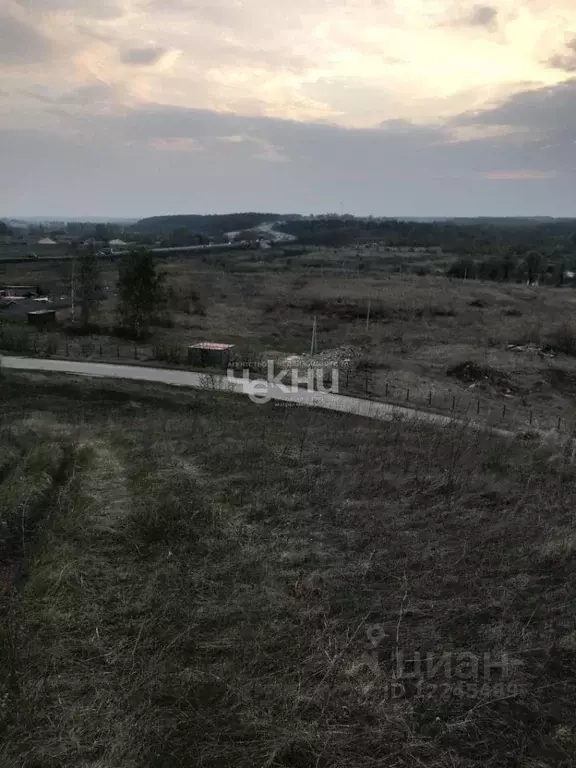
(132,108)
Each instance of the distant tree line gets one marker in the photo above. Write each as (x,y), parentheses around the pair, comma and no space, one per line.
(212,225)
(553,239)
(531,267)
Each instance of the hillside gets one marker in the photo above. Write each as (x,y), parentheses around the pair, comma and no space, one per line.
(189,579)
(553,238)
(217,224)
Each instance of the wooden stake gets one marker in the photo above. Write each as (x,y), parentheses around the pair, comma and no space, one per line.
(313,345)
(73,289)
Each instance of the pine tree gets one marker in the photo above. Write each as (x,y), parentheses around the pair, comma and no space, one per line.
(88,285)
(140,293)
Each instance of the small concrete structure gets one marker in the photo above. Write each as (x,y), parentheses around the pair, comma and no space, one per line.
(209,355)
(42,318)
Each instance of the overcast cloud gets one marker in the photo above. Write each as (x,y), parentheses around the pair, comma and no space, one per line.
(137,107)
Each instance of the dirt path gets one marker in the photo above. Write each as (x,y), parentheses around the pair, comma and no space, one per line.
(368,408)
(105,488)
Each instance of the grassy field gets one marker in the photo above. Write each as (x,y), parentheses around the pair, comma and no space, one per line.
(419,329)
(189,579)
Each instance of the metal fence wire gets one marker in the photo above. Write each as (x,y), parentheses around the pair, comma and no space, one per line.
(356,382)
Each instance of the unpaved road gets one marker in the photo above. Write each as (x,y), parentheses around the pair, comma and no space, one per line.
(267,230)
(331,402)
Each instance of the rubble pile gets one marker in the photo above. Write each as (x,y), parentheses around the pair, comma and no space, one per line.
(340,357)
(534,349)
(478,375)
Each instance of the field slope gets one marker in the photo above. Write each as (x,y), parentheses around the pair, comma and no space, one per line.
(189,579)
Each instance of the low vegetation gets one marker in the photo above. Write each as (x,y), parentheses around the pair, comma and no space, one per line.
(409,329)
(190,579)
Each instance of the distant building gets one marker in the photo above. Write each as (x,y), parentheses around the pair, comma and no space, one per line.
(91,242)
(117,243)
(16,307)
(46,241)
(42,317)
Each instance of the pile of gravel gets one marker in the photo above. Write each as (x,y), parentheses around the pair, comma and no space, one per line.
(339,357)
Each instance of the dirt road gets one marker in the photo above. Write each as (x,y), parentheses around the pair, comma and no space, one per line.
(262,393)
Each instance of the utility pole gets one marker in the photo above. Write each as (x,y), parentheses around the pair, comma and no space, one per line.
(73,289)
(368,315)
(313,344)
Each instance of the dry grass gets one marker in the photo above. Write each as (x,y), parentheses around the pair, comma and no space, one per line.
(205,578)
(420,327)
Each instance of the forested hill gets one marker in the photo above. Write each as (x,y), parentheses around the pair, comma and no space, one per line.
(466,237)
(216,224)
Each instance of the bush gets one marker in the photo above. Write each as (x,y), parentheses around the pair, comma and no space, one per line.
(168,353)
(52,347)
(563,339)
(14,339)
(85,330)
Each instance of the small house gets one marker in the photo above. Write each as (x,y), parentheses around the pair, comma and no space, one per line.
(209,355)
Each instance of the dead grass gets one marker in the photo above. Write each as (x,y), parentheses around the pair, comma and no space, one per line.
(419,329)
(206,579)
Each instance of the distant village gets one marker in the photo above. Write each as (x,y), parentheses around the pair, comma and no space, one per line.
(60,242)
(49,241)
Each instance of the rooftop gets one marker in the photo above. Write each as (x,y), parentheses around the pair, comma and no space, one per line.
(210,345)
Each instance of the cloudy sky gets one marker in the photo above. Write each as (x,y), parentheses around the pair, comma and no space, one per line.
(391,107)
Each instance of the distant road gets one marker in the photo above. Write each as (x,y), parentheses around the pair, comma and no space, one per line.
(357,406)
(275,235)
(268,231)
(187,248)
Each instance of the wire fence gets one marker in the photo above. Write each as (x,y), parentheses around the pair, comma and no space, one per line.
(355,381)
(493,411)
